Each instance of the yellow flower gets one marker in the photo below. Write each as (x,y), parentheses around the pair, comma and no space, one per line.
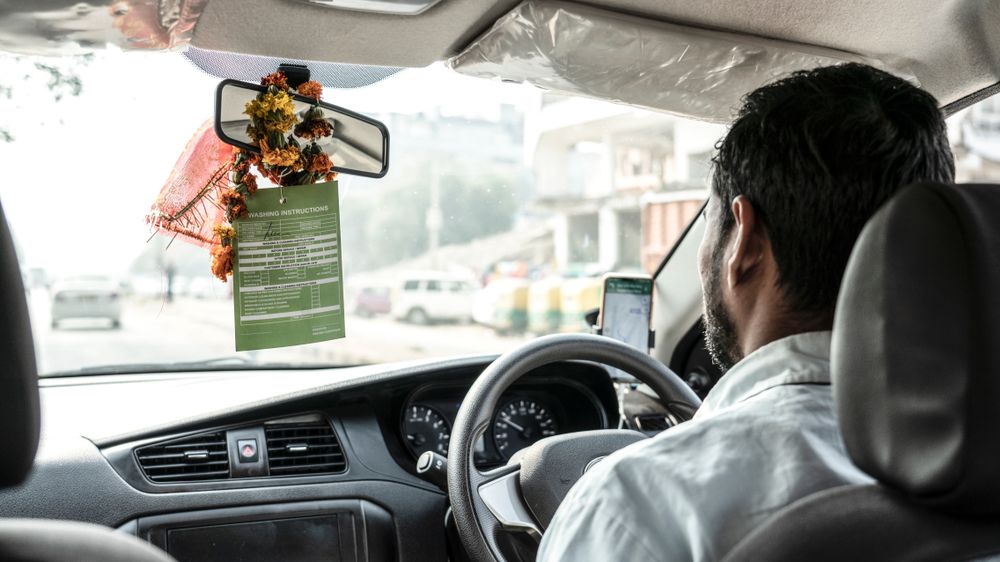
(262,104)
(281,156)
(276,112)
(224,231)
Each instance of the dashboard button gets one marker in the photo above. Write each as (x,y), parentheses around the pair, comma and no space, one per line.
(247,449)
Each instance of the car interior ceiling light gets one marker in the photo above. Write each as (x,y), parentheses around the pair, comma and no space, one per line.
(398,7)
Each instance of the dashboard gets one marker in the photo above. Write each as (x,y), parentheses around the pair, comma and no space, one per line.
(166,457)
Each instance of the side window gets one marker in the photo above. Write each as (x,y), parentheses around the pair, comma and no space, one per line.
(411,285)
(455,286)
(434,286)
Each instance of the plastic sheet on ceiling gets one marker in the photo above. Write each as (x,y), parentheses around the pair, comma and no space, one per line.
(581,50)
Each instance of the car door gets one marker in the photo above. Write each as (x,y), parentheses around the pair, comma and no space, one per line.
(460,298)
(437,305)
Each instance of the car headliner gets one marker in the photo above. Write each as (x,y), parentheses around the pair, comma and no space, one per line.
(951,46)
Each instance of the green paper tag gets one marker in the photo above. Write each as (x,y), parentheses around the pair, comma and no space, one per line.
(288,285)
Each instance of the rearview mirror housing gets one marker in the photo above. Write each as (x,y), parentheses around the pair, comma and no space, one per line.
(358,146)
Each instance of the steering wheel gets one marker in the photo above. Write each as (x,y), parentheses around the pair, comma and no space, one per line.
(523,495)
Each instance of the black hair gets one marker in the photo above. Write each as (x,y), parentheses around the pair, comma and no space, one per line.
(816,153)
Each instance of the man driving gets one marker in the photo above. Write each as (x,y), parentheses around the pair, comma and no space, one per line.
(806,163)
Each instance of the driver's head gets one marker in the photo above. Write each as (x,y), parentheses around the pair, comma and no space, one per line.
(806,163)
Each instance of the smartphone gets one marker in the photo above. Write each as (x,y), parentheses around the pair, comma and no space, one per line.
(627,309)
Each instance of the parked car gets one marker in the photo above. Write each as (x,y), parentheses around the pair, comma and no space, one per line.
(90,297)
(434,297)
(372,301)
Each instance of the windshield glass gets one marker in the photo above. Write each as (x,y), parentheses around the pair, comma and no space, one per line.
(502,207)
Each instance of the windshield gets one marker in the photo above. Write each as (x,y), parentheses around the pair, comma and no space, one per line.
(502,208)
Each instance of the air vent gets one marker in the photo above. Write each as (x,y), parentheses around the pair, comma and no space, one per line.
(653,423)
(303,448)
(198,457)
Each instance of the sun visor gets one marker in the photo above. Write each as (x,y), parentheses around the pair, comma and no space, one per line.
(71,27)
(585,51)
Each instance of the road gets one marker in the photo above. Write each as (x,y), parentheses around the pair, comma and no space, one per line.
(154,331)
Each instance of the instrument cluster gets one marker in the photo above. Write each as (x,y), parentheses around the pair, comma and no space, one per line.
(524,416)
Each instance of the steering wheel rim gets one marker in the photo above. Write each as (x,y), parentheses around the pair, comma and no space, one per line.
(477,525)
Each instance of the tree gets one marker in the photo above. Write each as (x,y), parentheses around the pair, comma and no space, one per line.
(391,226)
(61,76)
(476,208)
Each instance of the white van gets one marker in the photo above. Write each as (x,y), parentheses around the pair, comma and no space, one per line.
(424,298)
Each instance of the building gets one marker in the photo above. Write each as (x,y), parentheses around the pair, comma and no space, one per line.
(975,138)
(415,211)
(604,172)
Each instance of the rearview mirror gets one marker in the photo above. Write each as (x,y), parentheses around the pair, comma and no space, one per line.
(359,145)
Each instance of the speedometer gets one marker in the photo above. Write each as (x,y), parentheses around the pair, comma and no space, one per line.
(425,429)
(520,423)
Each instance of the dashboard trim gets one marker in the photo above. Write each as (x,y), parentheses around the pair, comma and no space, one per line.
(122,459)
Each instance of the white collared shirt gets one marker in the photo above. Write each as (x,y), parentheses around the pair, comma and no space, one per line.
(765,436)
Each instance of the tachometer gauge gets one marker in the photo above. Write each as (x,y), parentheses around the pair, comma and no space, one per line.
(425,429)
(519,423)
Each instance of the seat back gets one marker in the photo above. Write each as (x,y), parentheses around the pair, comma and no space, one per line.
(916,377)
(19,414)
(35,540)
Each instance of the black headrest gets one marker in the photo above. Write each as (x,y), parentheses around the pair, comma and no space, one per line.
(916,347)
(19,417)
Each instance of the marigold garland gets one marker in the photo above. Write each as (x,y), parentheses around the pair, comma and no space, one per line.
(277,79)
(311,89)
(320,164)
(282,159)
(222,261)
(314,129)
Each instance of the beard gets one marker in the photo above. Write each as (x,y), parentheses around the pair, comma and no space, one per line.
(720,334)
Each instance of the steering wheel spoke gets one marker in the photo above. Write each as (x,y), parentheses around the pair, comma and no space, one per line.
(500,491)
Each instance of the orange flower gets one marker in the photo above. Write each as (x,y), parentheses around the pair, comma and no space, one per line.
(275,79)
(250,181)
(314,129)
(228,197)
(234,203)
(222,262)
(237,211)
(310,89)
(241,167)
(320,164)
(331,176)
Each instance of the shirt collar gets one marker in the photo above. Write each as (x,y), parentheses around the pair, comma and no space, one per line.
(797,359)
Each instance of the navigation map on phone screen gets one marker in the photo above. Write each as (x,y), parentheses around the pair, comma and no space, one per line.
(626,310)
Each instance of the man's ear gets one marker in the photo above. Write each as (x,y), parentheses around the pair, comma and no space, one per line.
(748,243)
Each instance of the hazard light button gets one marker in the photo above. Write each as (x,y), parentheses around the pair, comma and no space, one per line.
(247,450)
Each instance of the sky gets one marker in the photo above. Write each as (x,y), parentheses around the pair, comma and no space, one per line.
(83,171)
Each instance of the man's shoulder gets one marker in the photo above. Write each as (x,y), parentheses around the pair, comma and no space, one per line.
(737,435)
(682,489)
(639,499)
